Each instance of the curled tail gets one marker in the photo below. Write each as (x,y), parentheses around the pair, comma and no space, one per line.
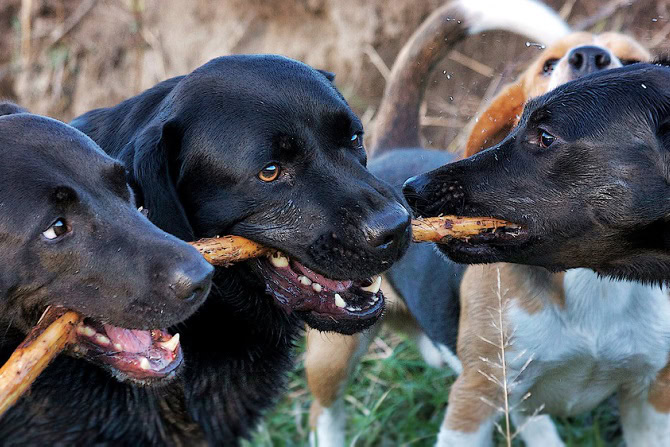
(397,122)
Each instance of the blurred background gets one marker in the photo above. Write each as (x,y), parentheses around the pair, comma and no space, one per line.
(64,57)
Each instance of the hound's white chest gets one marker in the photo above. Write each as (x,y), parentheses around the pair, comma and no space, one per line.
(610,334)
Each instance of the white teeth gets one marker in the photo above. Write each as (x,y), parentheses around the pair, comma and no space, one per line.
(305,281)
(118,346)
(144,363)
(279,260)
(339,302)
(172,343)
(102,339)
(86,330)
(375,298)
(374,287)
(317,287)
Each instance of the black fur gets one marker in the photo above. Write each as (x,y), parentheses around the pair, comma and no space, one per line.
(595,198)
(113,265)
(194,146)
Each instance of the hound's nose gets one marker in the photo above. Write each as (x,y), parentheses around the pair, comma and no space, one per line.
(388,229)
(191,282)
(413,189)
(589,59)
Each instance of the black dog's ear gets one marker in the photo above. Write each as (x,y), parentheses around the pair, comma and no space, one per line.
(328,74)
(9,108)
(155,170)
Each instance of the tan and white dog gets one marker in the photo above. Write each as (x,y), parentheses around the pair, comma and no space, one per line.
(593,311)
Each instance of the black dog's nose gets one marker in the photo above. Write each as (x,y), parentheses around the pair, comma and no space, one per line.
(192,281)
(388,228)
(413,189)
(588,59)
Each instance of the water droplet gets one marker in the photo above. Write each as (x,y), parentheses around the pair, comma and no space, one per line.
(451,98)
(654,20)
(535,44)
(644,86)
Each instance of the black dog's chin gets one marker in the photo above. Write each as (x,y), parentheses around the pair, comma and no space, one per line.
(486,248)
(330,324)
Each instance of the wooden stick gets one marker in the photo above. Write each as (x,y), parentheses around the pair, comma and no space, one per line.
(226,250)
(439,229)
(41,346)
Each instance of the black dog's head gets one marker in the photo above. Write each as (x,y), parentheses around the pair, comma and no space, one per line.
(266,148)
(71,236)
(586,174)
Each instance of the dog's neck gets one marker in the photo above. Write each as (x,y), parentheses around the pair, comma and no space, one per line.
(238,349)
(575,292)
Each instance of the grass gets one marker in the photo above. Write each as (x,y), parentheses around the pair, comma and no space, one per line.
(396,400)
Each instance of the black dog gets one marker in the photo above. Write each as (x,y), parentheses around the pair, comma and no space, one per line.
(71,236)
(263,147)
(585,174)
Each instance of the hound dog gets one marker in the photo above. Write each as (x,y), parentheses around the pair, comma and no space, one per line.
(425,286)
(584,174)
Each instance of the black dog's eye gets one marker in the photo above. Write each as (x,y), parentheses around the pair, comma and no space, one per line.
(546,139)
(549,65)
(56,230)
(357,139)
(269,173)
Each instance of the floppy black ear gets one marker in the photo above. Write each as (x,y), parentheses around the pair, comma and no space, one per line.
(155,171)
(328,74)
(9,108)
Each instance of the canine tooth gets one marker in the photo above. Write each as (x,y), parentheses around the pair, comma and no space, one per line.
(279,260)
(339,302)
(317,287)
(86,330)
(171,344)
(118,346)
(102,339)
(144,363)
(305,281)
(351,309)
(374,287)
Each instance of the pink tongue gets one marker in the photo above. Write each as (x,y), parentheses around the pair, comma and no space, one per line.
(131,340)
(331,284)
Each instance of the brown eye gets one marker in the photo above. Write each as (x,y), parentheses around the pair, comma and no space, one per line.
(549,65)
(56,230)
(269,173)
(546,139)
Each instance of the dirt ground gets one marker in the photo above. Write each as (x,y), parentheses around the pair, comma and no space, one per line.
(64,57)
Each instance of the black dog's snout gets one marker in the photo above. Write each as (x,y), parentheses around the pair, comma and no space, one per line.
(388,228)
(191,281)
(588,59)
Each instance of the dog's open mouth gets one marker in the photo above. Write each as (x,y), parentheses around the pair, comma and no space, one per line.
(135,355)
(331,302)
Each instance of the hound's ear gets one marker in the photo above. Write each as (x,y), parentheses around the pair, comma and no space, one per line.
(156,168)
(329,75)
(497,120)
